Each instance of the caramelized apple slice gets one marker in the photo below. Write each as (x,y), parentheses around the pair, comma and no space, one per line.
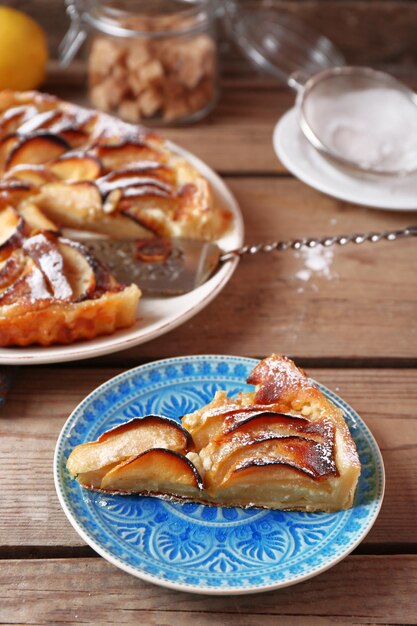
(127,440)
(46,255)
(11,269)
(242,423)
(85,120)
(273,484)
(79,205)
(158,471)
(42,119)
(36,149)
(74,137)
(75,205)
(152,212)
(35,219)
(13,117)
(11,231)
(118,156)
(76,167)
(313,459)
(254,424)
(205,423)
(6,146)
(83,272)
(35,174)
(31,285)
(138,175)
(16,190)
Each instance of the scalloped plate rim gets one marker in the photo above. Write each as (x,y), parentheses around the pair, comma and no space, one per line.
(218,591)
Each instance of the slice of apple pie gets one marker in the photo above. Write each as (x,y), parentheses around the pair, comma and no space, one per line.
(282,446)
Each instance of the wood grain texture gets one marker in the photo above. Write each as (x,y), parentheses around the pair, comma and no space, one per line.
(91,591)
(42,398)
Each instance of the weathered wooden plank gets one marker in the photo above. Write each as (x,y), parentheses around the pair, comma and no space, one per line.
(42,398)
(90,591)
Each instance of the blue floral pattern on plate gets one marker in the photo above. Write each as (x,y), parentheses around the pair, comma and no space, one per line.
(194,547)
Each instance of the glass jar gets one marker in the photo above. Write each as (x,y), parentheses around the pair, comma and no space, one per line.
(148,60)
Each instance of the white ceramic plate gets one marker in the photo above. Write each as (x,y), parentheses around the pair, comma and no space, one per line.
(156,316)
(307,164)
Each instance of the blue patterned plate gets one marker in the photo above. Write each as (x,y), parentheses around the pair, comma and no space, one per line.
(197,548)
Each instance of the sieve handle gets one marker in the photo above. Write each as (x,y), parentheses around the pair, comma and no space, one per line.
(341,240)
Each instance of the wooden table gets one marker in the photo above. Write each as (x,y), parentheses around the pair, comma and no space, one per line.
(353,326)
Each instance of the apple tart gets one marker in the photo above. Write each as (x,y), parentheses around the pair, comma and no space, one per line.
(62,166)
(282,446)
(89,171)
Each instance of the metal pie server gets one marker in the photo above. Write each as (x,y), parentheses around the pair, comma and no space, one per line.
(171,267)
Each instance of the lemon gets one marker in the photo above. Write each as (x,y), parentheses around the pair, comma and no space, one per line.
(23,51)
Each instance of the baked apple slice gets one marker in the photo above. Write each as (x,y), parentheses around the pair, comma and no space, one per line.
(139,174)
(90,461)
(80,269)
(11,268)
(74,137)
(35,219)
(12,230)
(30,286)
(314,458)
(41,120)
(273,484)
(13,192)
(121,155)
(7,143)
(76,167)
(74,205)
(155,472)
(79,205)
(44,251)
(34,174)
(207,422)
(36,149)
(12,118)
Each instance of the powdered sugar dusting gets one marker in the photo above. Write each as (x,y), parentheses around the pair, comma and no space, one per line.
(317,262)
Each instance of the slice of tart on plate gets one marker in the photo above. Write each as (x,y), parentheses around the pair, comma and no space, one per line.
(283,446)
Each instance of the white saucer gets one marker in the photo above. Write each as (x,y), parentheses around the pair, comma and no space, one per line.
(307,164)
